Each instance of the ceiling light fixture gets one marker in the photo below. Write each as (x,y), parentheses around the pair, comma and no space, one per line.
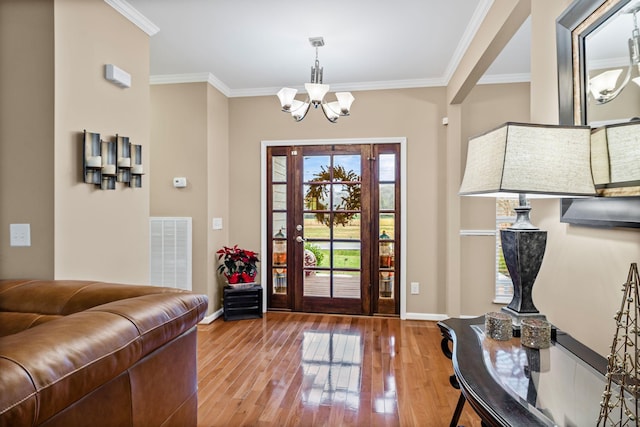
(315,94)
(603,86)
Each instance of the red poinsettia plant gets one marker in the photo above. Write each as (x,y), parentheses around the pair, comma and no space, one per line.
(238,265)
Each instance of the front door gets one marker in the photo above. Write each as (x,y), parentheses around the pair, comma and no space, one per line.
(332,224)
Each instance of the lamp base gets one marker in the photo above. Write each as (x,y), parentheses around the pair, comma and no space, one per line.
(523,252)
(517,318)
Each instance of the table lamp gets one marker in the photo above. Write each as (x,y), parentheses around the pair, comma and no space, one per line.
(520,159)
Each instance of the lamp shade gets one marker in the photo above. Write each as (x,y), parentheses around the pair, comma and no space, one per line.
(604,84)
(316,91)
(331,111)
(345,99)
(615,153)
(299,109)
(522,158)
(286,95)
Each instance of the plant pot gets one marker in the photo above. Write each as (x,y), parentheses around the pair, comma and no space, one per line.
(241,285)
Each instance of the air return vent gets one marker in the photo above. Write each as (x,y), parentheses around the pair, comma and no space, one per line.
(170,252)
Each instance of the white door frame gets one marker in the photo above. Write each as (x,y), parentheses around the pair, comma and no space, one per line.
(352,141)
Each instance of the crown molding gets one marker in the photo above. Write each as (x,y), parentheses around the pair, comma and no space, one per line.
(390,84)
(472,28)
(599,64)
(505,78)
(165,79)
(345,87)
(132,14)
(382,85)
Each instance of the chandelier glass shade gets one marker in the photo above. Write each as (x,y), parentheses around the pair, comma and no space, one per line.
(603,87)
(316,92)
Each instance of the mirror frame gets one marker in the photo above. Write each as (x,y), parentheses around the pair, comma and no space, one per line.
(572,27)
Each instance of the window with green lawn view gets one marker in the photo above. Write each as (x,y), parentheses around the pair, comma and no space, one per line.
(505,215)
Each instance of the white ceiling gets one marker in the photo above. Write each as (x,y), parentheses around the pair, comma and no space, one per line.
(254,47)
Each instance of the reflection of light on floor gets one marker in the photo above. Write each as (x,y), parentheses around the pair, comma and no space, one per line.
(386,405)
(332,366)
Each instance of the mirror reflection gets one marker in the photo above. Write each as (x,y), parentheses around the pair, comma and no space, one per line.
(612,63)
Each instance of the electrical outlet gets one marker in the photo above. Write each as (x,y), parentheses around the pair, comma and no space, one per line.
(415,288)
(20,234)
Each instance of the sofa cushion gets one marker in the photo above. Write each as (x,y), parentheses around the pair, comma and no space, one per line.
(12,323)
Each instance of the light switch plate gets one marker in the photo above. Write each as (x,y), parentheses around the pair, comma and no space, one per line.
(20,234)
(217,223)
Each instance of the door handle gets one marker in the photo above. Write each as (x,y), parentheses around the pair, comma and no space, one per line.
(300,239)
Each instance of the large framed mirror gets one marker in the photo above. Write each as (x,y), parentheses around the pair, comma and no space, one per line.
(599,84)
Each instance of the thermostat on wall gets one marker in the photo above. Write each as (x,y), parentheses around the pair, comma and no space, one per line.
(179,182)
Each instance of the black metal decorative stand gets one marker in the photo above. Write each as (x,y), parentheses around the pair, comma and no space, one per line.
(619,406)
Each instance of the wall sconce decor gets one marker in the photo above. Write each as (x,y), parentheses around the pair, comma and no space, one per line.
(92,159)
(518,159)
(108,162)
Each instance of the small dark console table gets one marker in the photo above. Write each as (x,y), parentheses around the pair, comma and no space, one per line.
(508,384)
(245,303)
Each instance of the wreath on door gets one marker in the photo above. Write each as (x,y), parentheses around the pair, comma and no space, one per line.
(317,195)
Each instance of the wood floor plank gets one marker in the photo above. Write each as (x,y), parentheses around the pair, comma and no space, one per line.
(292,369)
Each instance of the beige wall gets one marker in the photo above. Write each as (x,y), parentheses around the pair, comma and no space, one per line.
(218,180)
(26,135)
(189,125)
(53,54)
(486,107)
(578,287)
(179,135)
(99,234)
(233,191)
(412,113)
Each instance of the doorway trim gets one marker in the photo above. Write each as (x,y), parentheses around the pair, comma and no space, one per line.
(350,141)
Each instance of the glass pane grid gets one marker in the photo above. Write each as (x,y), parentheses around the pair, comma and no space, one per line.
(332,211)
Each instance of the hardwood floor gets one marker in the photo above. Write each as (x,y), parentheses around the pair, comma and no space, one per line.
(292,369)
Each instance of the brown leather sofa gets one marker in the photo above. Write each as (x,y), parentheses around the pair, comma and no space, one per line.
(79,353)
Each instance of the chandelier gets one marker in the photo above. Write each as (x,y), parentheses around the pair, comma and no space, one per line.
(315,94)
(603,86)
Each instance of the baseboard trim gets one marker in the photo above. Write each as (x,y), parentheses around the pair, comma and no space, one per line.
(426,316)
(210,318)
(434,317)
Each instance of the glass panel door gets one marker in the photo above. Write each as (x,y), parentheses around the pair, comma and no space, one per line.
(333,228)
(329,232)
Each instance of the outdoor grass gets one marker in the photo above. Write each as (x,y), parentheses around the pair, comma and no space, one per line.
(343,258)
